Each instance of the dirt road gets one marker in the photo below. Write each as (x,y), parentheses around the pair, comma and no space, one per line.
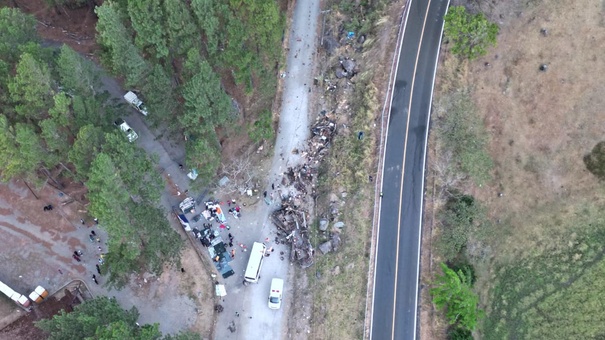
(256,320)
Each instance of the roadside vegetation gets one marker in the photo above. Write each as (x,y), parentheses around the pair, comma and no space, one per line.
(525,220)
(453,292)
(103,318)
(471,35)
(55,115)
(462,162)
(182,55)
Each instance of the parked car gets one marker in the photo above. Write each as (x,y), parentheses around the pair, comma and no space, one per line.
(135,102)
(125,128)
(275,295)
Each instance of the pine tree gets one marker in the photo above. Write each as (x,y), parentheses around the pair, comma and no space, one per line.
(31,89)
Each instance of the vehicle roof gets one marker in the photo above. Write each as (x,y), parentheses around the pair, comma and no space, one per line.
(130,95)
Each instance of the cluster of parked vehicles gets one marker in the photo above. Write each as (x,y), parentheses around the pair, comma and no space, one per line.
(138,105)
(252,275)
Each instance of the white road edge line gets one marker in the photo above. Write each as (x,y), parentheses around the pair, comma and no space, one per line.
(426,138)
(396,58)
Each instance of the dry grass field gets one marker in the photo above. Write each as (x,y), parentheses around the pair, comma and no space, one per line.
(539,259)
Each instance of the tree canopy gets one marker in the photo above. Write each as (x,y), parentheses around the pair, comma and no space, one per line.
(182,52)
(17,29)
(56,113)
(102,318)
(470,35)
(453,292)
(77,75)
(31,89)
(115,37)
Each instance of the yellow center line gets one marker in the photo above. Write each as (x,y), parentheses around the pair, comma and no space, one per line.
(407,127)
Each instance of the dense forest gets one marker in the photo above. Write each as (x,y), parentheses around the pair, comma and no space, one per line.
(56,114)
(174,52)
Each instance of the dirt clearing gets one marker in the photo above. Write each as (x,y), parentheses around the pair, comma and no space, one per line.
(541,123)
(74,27)
(37,246)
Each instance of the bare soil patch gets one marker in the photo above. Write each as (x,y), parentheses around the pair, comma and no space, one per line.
(37,246)
(74,27)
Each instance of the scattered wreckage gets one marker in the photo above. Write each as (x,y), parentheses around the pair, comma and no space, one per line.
(292,217)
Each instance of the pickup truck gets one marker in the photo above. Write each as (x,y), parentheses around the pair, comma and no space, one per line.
(135,102)
(125,128)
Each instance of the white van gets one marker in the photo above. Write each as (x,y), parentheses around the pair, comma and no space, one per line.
(275,295)
(257,255)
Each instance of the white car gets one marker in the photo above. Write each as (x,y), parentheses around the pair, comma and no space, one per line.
(125,128)
(133,100)
(275,295)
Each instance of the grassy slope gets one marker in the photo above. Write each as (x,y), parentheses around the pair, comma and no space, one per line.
(541,264)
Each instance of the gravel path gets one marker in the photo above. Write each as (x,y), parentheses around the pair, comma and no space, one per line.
(256,320)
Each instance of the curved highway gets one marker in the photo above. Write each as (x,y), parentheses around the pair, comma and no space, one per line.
(395,298)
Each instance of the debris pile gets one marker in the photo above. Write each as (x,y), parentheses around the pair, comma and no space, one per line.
(347,68)
(292,216)
(292,221)
(323,132)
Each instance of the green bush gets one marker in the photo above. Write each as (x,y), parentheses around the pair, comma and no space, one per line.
(453,292)
(458,219)
(595,161)
(471,35)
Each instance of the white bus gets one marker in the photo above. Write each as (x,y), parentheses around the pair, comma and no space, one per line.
(255,262)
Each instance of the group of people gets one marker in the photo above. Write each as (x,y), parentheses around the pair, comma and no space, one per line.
(93,237)
(235,212)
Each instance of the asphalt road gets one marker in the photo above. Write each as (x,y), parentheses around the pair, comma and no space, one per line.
(394,308)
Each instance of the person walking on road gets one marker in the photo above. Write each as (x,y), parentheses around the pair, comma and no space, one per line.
(94,279)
